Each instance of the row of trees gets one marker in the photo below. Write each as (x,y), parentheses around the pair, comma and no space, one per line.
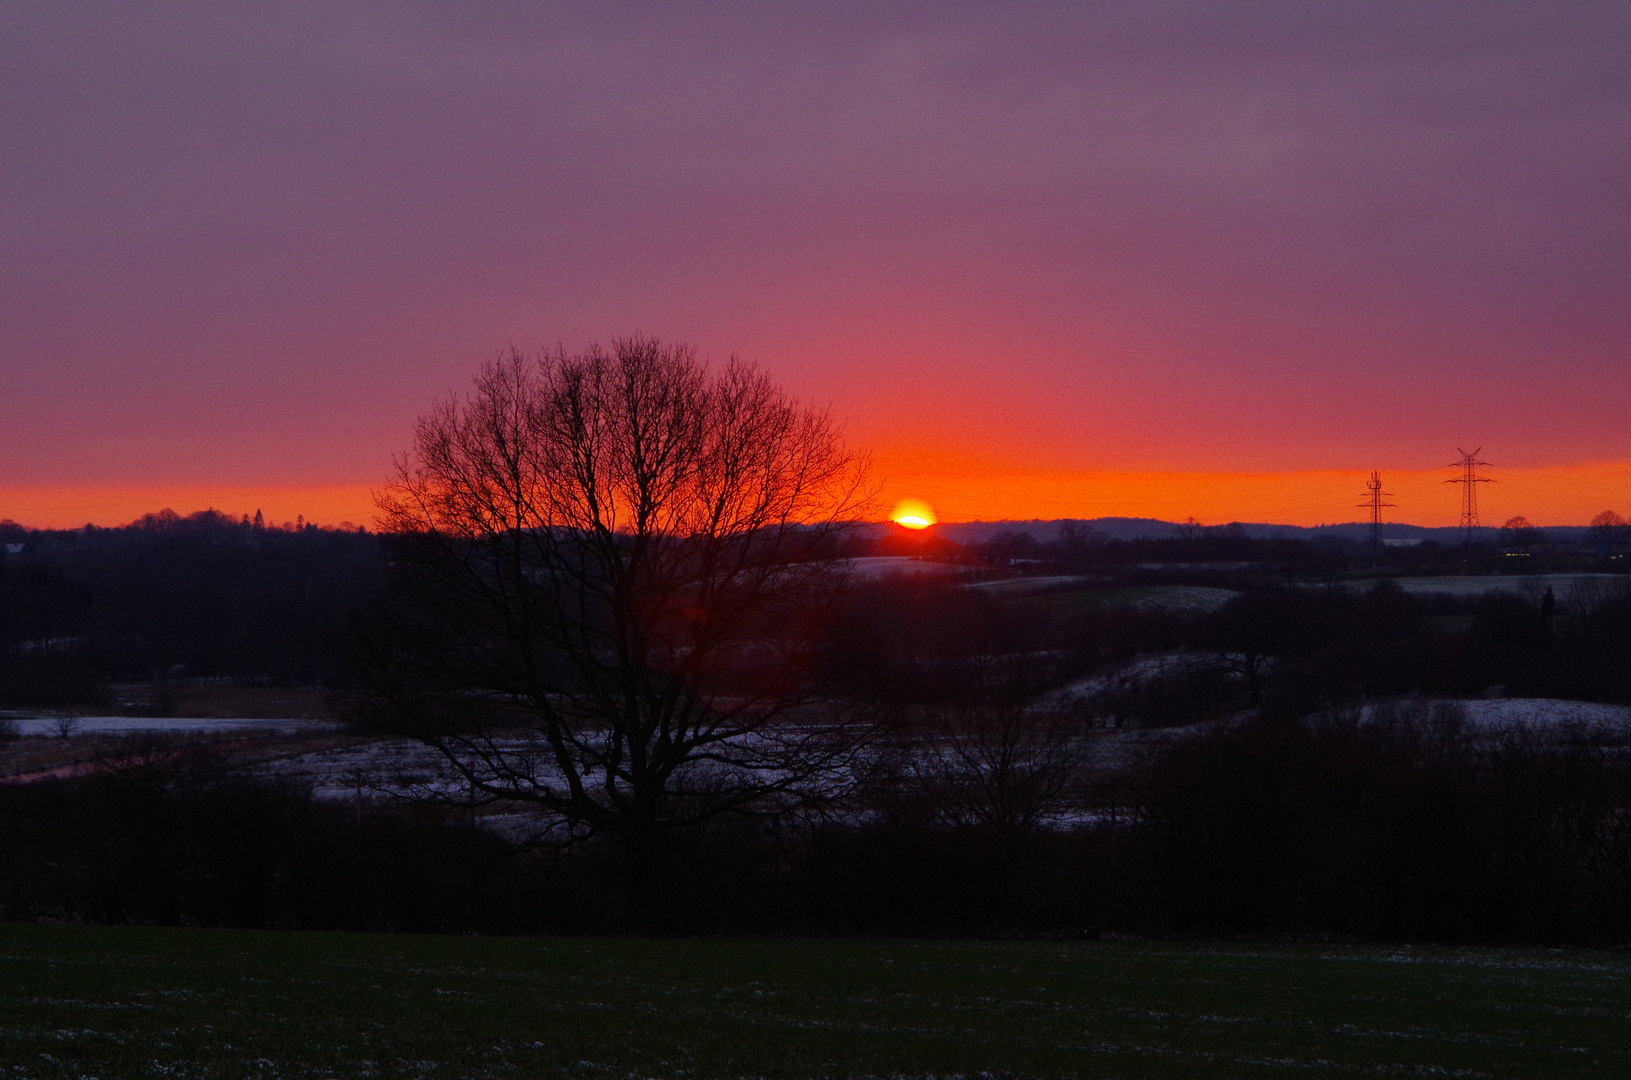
(162,600)
(1606,534)
(1405,823)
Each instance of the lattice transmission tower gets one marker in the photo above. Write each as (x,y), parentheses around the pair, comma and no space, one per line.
(1373,502)
(1469,481)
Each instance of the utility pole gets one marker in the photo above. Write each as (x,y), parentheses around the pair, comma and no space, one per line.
(1469,481)
(1373,501)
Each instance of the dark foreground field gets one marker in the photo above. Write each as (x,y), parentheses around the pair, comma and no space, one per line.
(125,1003)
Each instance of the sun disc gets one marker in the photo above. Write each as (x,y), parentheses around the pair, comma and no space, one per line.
(913,514)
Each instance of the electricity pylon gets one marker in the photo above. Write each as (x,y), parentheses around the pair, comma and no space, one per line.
(1373,501)
(1469,481)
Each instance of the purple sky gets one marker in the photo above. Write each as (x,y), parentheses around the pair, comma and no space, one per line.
(248,243)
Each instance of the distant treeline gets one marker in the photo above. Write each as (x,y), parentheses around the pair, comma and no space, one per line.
(170,598)
(1607,529)
(213,597)
(1080,546)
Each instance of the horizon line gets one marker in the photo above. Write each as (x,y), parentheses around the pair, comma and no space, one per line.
(1302,498)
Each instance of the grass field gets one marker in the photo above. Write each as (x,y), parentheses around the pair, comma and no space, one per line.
(118,1003)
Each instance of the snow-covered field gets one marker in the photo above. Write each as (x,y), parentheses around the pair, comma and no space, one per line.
(1565,587)
(1009,586)
(1194,598)
(1549,713)
(1544,717)
(36,724)
(873,567)
(337,766)
(1156,666)
(382,764)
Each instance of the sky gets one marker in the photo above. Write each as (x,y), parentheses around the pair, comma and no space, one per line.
(1043,259)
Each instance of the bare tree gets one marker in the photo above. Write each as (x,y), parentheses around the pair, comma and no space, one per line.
(1520,534)
(1607,529)
(1002,767)
(614,567)
(999,772)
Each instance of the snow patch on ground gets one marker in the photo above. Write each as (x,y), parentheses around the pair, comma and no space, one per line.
(366,766)
(25,724)
(874,567)
(1134,671)
(1192,599)
(1565,587)
(1546,712)
(1026,584)
(1198,598)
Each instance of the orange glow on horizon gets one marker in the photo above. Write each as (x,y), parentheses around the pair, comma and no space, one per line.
(106,506)
(962,489)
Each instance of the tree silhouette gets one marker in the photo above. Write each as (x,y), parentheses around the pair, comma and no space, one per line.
(613,568)
(1606,530)
(1518,533)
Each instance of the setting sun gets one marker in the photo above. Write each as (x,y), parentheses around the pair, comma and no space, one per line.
(913,514)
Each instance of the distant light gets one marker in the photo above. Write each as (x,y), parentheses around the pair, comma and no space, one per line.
(913,514)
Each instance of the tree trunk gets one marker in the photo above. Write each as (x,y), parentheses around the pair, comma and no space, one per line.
(642,906)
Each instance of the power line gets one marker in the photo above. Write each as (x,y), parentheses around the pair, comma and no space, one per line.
(1469,481)
(1373,502)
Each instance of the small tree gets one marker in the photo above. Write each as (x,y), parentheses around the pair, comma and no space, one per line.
(1518,533)
(613,571)
(1004,768)
(994,765)
(1010,546)
(1607,529)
